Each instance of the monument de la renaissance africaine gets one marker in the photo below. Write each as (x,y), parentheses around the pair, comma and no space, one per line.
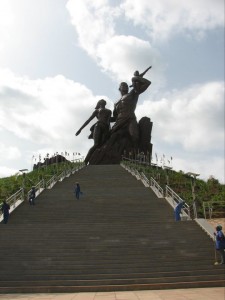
(126,136)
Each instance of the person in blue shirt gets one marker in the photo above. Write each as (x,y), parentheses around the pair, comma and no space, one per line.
(32,196)
(5,210)
(77,191)
(177,210)
(220,242)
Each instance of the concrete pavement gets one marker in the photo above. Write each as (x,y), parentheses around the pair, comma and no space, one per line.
(178,294)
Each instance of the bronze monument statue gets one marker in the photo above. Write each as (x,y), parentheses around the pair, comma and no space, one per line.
(126,135)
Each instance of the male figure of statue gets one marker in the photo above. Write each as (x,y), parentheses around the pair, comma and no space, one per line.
(124,109)
(100,130)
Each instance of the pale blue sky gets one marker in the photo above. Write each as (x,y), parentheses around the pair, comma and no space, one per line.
(58,58)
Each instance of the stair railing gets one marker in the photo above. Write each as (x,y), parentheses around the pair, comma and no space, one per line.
(13,201)
(145,180)
(133,171)
(18,196)
(174,199)
(68,172)
(137,174)
(61,176)
(126,167)
(51,182)
(156,188)
(130,169)
(39,187)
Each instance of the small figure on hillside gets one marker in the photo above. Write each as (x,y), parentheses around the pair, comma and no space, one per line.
(220,242)
(32,196)
(77,191)
(177,210)
(5,210)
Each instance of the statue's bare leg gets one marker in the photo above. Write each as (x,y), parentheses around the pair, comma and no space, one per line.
(97,142)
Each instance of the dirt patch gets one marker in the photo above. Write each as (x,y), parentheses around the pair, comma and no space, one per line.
(217,221)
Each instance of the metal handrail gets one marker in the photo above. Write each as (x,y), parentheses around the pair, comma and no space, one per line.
(51,182)
(156,188)
(15,197)
(177,199)
(137,174)
(14,200)
(61,176)
(126,167)
(144,179)
(39,187)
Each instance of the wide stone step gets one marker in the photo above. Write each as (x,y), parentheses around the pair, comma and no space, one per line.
(143,260)
(90,276)
(107,282)
(98,272)
(99,264)
(120,287)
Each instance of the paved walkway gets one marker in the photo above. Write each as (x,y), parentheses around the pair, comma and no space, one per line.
(179,294)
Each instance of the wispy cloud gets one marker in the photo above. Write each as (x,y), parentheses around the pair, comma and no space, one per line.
(164,19)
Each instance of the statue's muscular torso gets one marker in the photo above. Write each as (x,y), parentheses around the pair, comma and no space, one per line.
(126,106)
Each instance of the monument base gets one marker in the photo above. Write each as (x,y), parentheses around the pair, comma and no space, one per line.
(111,153)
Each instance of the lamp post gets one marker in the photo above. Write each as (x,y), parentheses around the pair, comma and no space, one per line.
(193,177)
(23,182)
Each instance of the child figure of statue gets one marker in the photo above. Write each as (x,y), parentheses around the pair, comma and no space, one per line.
(136,74)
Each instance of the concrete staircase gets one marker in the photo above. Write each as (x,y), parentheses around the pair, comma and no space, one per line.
(118,236)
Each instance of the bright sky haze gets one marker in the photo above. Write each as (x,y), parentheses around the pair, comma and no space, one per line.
(58,58)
